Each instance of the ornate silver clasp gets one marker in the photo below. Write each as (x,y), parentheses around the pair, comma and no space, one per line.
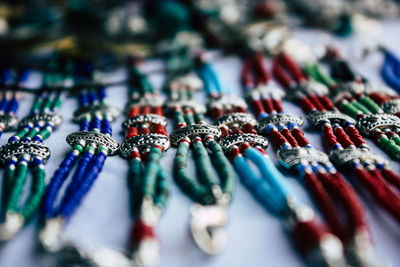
(208,222)
(291,157)
(369,123)
(317,119)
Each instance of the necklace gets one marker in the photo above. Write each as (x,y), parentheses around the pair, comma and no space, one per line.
(90,148)
(242,144)
(324,183)
(145,141)
(25,152)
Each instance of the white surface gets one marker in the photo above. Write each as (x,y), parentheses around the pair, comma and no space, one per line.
(255,238)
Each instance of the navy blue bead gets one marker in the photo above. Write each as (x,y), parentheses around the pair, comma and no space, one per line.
(106,127)
(37,138)
(3,104)
(37,161)
(102,93)
(83,99)
(93,97)
(95,123)
(12,105)
(70,204)
(84,125)
(56,183)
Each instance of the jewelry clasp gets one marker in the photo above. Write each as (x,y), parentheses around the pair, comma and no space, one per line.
(208,222)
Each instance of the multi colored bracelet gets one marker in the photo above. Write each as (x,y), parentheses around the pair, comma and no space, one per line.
(90,148)
(25,152)
(212,193)
(9,99)
(295,152)
(378,176)
(145,141)
(242,143)
(373,106)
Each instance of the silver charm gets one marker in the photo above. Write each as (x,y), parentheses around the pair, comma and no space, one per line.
(344,158)
(193,130)
(235,118)
(278,119)
(144,118)
(368,123)
(236,139)
(33,148)
(391,106)
(97,109)
(291,157)
(345,90)
(317,119)
(9,121)
(208,221)
(144,141)
(54,119)
(93,137)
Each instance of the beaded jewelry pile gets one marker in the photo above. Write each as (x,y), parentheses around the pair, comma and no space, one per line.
(311,137)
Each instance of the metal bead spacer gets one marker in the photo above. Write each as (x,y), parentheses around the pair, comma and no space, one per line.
(96,110)
(97,139)
(41,119)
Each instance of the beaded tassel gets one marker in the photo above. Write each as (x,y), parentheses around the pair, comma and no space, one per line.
(148,181)
(243,144)
(29,157)
(320,177)
(88,154)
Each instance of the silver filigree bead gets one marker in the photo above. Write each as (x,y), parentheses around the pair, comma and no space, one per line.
(291,157)
(95,138)
(143,141)
(237,139)
(318,119)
